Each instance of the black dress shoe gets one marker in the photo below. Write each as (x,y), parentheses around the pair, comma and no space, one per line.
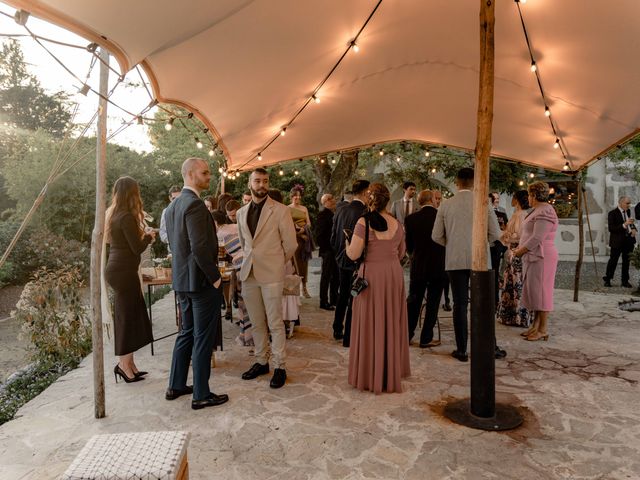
(326,306)
(212,401)
(278,379)
(256,370)
(173,393)
(627,285)
(446,307)
(338,336)
(607,282)
(462,356)
(500,353)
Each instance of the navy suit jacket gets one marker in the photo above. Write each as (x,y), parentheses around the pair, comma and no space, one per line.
(193,242)
(427,256)
(618,235)
(345,218)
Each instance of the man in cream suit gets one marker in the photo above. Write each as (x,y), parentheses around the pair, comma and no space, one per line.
(407,205)
(268,240)
(452,229)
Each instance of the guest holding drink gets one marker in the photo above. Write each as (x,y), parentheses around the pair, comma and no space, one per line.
(127,238)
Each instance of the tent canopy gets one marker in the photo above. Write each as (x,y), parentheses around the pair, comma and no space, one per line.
(246,67)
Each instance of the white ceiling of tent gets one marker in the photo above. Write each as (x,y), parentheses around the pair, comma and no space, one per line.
(247,66)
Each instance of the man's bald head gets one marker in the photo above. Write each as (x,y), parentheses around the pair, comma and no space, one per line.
(328,201)
(425,197)
(188,166)
(196,174)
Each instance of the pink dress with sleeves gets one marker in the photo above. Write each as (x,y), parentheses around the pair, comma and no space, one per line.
(539,264)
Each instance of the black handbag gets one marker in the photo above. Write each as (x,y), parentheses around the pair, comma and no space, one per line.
(359,283)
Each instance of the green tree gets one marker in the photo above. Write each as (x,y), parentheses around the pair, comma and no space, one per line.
(626,159)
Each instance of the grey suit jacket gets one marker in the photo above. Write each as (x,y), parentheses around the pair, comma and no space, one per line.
(273,244)
(453,228)
(397,208)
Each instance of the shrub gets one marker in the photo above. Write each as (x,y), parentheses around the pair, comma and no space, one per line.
(53,316)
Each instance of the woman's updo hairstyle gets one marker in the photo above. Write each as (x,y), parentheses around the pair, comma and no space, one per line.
(522,197)
(539,191)
(378,197)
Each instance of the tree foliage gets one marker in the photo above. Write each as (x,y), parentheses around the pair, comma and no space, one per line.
(626,159)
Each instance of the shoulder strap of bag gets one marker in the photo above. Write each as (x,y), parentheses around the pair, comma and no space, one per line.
(366,244)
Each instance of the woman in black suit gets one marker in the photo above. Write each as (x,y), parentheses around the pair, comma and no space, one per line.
(128,238)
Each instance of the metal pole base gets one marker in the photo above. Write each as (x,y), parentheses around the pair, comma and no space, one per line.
(507,417)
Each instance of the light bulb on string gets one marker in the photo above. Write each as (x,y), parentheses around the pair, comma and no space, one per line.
(333,162)
(398,159)
(534,67)
(566,167)
(315,98)
(427,153)
(532,175)
(433,170)
(140,120)
(556,143)
(169,125)
(225,174)
(220,170)
(84,89)
(296,172)
(281,172)
(322,160)
(355,46)
(381,152)
(198,143)
(212,152)
(283,132)
(260,156)
(521,183)
(547,112)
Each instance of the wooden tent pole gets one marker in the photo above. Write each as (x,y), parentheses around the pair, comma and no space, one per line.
(481,411)
(576,283)
(97,240)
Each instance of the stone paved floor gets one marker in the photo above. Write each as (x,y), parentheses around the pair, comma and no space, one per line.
(579,392)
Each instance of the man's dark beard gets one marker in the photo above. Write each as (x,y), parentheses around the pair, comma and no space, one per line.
(259,194)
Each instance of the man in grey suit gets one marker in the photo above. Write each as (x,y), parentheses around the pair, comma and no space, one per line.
(407,205)
(452,229)
(197,282)
(268,240)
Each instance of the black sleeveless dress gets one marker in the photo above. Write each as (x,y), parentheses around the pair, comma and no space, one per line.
(132,328)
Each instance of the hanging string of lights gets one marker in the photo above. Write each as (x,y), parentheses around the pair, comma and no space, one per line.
(558,142)
(315,95)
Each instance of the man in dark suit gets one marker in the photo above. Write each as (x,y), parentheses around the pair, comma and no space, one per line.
(427,268)
(197,283)
(622,237)
(329,275)
(344,222)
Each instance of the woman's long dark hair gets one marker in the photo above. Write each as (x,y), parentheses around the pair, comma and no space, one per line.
(522,197)
(125,198)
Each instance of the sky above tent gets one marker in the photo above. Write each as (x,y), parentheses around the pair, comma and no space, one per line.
(249,69)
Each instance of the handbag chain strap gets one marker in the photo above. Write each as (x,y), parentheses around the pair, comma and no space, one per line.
(366,245)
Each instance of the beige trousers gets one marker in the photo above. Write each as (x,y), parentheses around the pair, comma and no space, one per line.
(264,306)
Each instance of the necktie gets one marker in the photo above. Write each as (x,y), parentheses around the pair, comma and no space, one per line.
(406,209)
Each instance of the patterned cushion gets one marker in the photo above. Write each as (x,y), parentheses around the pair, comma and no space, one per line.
(152,455)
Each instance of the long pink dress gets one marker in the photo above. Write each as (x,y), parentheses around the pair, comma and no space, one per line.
(539,264)
(379,348)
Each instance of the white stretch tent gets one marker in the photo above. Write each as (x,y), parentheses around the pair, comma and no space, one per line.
(245,67)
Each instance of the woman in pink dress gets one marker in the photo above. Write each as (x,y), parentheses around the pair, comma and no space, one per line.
(539,259)
(379,349)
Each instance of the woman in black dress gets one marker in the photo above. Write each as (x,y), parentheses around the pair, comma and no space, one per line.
(128,238)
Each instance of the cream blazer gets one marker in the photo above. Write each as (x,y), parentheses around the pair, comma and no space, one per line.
(273,244)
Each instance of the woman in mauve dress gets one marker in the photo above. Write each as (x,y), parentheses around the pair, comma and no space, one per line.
(379,349)
(539,259)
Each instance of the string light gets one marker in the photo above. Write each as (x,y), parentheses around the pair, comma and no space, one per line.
(224,174)
(381,152)
(322,160)
(220,170)
(556,143)
(521,183)
(169,125)
(139,120)
(397,159)
(283,132)
(333,162)
(21,17)
(427,153)
(547,112)
(198,143)
(260,156)
(566,166)
(296,172)
(212,152)
(281,172)
(84,89)
(433,170)
(315,98)
(532,175)
(355,46)
(534,67)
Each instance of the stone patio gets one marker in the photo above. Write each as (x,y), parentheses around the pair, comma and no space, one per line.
(579,393)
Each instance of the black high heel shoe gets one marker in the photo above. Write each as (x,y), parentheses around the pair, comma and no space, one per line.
(118,371)
(141,374)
